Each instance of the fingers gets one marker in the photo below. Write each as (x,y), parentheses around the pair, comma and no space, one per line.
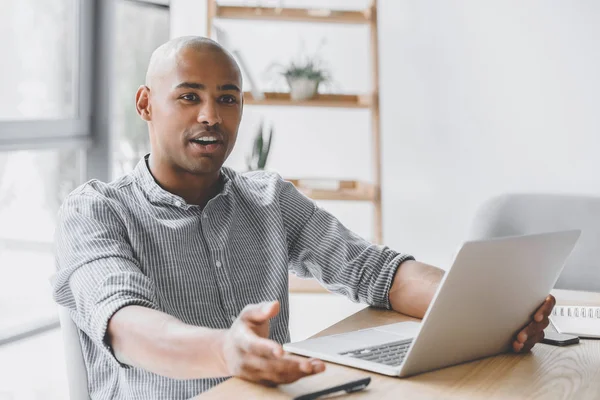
(528,345)
(517,346)
(545,309)
(286,369)
(273,352)
(247,340)
(532,334)
(263,347)
(522,338)
(290,368)
(251,356)
(534,331)
(308,365)
(259,313)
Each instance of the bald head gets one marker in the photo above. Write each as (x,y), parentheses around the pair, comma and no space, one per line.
(193,89)
(166,57)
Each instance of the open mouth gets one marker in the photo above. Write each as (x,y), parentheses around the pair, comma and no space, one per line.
(207,144)
(206,141)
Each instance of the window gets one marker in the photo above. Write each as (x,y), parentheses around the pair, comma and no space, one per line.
(147,26)
(33,184)
(38,72)
(55,56)
(45,76)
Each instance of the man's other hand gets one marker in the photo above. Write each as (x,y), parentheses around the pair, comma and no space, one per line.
(250,355)
(534,331)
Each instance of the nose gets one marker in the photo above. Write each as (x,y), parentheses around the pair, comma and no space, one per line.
(209,114)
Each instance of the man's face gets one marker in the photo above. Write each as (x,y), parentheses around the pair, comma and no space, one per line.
(195,111)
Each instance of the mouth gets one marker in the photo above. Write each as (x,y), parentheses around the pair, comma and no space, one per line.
(207,144)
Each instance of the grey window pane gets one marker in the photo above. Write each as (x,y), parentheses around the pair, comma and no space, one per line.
(139,30)
(33,184)
(38,44)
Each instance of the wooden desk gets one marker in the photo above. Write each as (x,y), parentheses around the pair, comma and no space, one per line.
(548,372)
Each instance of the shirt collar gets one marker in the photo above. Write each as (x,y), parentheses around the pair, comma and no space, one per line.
(157,194)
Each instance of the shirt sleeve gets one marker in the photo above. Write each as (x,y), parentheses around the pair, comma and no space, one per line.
(320,246)
(97,271)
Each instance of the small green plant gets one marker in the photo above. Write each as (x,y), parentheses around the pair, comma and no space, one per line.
(308,69)
(257,160)
(302,75)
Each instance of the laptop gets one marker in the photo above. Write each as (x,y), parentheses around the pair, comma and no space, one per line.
(490,292)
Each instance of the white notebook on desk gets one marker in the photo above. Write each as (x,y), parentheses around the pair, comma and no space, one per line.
(577,320)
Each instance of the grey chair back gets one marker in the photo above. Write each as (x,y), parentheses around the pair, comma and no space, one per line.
(518,214)
(76,369)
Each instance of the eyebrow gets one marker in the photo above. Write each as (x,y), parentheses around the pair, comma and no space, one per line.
(190,85)
(230,86)
(200,86)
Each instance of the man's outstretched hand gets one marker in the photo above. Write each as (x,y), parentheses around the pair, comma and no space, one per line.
(534,331)
(250,355)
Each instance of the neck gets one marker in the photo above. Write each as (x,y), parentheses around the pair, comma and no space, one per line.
(194,189)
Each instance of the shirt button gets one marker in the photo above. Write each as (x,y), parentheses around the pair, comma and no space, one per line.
(204,216)
(232,318)
(218,264)
(178,203)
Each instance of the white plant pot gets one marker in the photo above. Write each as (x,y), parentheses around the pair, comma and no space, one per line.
(303,88)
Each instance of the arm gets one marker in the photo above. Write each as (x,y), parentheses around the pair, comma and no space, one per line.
(98,274)
(320,246)
(413,287)
(157,342)
(115,305)
(164,345)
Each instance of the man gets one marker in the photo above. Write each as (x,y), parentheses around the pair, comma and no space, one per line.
(176,274)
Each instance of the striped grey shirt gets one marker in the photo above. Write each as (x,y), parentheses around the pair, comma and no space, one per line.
(129,242)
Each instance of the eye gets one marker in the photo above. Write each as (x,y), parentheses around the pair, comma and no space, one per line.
(190,97)
(228,99)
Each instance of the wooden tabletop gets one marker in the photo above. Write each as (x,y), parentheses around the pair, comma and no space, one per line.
(548,372)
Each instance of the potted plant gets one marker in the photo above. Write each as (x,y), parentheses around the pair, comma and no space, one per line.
(304,78)
(257,160)
(303,75)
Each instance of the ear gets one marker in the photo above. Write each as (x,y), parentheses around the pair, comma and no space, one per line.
(142,103)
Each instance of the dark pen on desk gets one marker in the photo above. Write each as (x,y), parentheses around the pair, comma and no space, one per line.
(348,387)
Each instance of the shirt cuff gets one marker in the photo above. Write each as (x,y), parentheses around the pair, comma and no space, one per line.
(384,280)
(105,307)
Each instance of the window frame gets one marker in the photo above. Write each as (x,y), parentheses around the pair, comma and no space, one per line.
(89,130)
(47,133)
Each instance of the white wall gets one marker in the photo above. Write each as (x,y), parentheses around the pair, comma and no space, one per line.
(480,98)
(477,98)
(188,17)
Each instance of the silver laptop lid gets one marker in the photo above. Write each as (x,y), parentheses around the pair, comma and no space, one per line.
(488,295)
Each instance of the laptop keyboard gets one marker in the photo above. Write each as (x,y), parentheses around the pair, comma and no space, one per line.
(391,354)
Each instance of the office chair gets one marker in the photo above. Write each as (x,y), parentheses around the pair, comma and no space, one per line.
(76,370)
(518,214)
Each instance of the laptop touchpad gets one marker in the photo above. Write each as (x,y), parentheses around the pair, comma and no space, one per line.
(383,334)
(404,330)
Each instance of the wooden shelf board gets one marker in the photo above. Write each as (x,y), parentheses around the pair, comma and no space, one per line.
(325,183)
(320,100)
(361,192)
(294,14)
(299,285)
(341,195)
